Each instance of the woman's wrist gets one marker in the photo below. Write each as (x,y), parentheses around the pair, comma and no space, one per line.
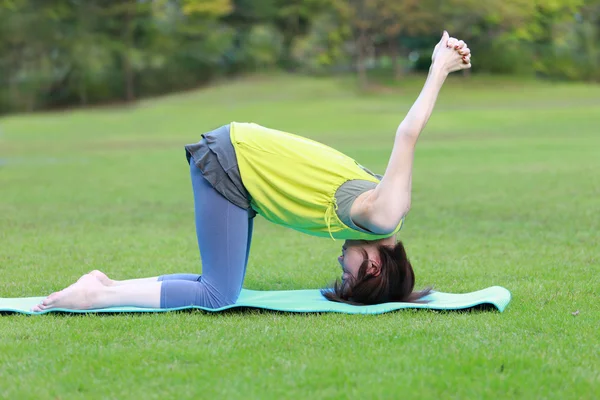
(438,70)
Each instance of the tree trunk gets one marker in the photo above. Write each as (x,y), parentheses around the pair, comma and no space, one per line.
(127,70)
(13,93)
(396,67)
(32,94)
(286,52)
(289,35)
(361,68)
(82,89)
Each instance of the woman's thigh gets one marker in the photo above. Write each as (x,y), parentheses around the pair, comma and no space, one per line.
(224,233)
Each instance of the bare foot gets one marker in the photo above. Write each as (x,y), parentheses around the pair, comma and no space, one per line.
(82,295)
(101,276)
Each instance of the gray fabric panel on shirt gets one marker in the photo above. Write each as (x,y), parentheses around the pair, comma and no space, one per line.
(215,156)
(345,196)
(348,192)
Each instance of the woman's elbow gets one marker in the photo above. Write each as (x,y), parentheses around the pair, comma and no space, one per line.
(385,222)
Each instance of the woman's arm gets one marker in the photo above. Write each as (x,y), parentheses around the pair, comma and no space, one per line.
(382,209)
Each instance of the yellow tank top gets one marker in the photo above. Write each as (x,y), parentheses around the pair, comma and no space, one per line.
(292,180)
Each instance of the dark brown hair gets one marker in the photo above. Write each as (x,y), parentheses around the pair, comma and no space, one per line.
(395,282)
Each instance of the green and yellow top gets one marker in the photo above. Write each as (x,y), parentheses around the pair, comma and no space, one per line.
(292,180)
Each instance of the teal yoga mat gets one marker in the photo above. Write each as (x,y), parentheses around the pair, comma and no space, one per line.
(302,301)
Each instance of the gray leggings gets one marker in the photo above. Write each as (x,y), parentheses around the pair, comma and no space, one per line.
(224,233)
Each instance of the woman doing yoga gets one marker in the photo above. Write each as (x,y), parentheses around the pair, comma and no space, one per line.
(243,169)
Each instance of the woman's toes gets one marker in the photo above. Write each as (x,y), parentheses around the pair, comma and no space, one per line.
(40,307)
(36,308)
(50,299)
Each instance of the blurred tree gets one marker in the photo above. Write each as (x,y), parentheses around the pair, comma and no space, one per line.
(474,19)
(293,19)
(323,49)
(490,27)
(373,21)
(188,45)
(364,19)
(62,52)
(243,16)
(41,43)
(566,39)
(123,22)
(407,18)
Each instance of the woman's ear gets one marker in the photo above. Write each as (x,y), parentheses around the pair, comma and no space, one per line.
(374,268)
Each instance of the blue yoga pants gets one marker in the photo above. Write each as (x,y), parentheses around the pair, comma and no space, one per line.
(224,233)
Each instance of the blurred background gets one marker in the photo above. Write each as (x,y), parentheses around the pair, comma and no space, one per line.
(505,192)
(62,53)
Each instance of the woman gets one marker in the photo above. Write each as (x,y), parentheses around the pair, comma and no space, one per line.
(294,182)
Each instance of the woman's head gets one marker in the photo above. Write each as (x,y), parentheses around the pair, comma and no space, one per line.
(374,272)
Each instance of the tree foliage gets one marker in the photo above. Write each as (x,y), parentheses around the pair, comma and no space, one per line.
(63,52)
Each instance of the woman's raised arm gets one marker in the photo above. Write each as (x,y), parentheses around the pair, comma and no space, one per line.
(383,208)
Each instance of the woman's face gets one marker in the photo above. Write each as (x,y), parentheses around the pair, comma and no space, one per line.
(354,253)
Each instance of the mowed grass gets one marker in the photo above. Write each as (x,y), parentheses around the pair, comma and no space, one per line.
(506,192)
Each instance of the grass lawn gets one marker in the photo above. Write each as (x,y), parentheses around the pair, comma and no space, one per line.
(506,192)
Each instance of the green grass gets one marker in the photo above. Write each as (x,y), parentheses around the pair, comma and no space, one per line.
(506,192)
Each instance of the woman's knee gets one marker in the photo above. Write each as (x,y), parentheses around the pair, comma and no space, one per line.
(218,298)
(220,302)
